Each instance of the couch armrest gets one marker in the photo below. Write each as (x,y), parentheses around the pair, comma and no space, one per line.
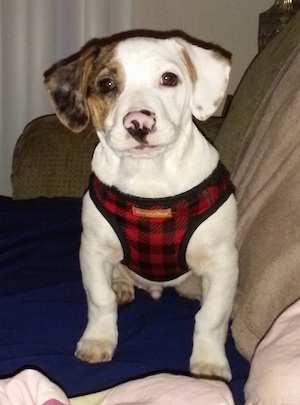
(51,161)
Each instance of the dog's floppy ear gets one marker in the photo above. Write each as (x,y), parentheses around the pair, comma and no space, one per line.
(67,87)
(210,73)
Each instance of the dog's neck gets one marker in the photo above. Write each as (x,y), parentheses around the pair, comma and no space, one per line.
(172,172)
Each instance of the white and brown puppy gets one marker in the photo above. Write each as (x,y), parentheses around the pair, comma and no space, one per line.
(160,206)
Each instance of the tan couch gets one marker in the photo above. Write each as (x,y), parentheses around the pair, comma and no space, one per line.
(259,142)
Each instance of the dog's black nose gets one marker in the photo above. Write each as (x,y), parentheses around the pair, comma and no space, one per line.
(139,124)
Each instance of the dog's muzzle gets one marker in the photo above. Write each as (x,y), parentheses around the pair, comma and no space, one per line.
(139,124)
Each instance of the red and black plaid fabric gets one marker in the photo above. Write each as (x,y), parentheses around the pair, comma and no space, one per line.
(154,232)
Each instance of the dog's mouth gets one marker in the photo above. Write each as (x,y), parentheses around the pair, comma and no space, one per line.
(146,150)
(146,146)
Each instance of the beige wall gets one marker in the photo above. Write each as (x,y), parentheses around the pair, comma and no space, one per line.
(232,24)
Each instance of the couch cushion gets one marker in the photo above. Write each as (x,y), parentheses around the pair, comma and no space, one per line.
(52,161)
(266,173)
(244,110)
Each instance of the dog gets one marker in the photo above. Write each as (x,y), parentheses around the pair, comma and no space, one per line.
(160,206)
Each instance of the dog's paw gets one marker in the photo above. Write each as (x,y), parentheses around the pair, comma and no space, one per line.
(211,371)
(94,351)
(124,291)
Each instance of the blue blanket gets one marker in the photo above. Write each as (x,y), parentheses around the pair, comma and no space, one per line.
(43,309)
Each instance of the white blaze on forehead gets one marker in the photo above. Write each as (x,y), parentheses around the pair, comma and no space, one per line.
(142,58)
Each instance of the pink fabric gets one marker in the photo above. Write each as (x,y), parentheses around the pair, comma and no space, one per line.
(170,389)
(274,377)
(30,387)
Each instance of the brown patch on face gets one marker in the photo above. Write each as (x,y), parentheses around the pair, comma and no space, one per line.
(100,103)
(190,66)
(74,88)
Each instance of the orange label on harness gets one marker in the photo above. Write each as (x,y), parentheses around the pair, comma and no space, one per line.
(163,213)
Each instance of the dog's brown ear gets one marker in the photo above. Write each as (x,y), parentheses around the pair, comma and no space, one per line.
(67,87)
(211,75)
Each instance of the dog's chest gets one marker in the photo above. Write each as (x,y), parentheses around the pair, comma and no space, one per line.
(154,233)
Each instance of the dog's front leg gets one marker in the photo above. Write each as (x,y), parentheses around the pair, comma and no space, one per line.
(211,322)
(99,339)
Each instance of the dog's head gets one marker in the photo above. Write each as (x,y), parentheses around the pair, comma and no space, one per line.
(139,93)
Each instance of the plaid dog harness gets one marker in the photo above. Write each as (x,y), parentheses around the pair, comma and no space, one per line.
(154,232)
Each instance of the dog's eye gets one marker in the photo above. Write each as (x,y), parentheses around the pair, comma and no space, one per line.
(107,84)
(169,79)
